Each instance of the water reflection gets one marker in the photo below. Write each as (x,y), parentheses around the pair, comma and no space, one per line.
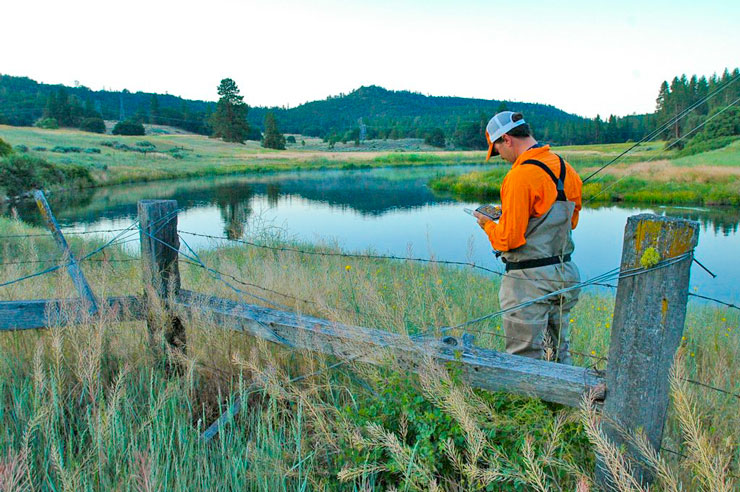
(383,209)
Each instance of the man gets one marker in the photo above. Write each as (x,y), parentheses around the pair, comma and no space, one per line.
(540,201)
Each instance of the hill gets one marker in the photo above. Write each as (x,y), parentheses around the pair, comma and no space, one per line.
(384,113)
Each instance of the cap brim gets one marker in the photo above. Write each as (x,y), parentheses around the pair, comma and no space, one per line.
(491,152)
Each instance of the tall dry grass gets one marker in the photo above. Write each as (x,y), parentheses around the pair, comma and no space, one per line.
(90,406)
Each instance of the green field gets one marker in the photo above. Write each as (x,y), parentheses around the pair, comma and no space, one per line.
(115,159)
(646,175)
(87,407)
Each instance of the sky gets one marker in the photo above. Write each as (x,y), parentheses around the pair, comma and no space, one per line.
(585,57)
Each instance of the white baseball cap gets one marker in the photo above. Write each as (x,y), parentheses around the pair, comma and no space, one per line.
(500,124)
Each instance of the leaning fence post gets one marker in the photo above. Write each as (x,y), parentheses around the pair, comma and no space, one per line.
(159,249)
(649,317)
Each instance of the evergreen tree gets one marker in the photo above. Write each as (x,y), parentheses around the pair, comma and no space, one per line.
(229,122)
(154,110)
(273,139)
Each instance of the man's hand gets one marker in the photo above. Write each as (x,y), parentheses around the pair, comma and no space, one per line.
(482,219)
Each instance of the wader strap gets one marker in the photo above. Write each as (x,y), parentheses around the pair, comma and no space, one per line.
(522,265)
(559,182)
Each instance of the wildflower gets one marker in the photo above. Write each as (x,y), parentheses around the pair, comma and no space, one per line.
(439,281)
(593,352)
(683,339)
(348,268)
(692,354)
(606,325)
(724,319)
(571,320)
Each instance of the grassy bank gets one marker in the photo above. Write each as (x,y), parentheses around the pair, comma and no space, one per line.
(646,176)
(116,159)
(86,407)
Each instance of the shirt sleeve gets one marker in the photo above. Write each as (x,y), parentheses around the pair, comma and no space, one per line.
(515,207)
(575,194)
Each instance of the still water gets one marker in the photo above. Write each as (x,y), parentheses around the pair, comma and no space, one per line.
(388,211)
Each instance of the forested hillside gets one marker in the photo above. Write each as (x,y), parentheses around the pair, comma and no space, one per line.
(374,112)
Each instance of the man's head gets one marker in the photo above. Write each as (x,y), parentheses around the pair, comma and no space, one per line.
(508,135)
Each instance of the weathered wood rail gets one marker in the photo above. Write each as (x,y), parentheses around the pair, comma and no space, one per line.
(648,322)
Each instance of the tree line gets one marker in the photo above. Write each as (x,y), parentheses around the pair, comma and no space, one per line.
(367,113)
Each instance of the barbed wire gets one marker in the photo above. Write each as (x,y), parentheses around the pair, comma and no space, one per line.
(341,254)
(709,386)
(65,232)
(94,252)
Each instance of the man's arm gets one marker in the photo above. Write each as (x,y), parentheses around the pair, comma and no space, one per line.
(515,210)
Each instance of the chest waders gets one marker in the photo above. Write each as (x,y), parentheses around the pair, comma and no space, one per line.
(540,266)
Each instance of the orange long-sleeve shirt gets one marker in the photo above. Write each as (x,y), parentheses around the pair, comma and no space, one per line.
(528,191)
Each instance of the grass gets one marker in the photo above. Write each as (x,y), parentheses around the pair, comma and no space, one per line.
(648,175)
(121,160)
(88,407)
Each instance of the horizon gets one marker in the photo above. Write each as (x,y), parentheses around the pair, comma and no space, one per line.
(582,58)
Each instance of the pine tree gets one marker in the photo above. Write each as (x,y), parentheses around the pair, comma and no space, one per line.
(273,139)
(230,119)
(154,110)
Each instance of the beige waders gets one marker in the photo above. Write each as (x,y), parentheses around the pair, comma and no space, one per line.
(541,266)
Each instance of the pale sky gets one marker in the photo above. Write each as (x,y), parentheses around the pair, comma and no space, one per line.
(585,57)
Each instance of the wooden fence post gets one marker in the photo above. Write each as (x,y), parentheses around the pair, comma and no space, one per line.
(159,250)
(648,323)
(78,278)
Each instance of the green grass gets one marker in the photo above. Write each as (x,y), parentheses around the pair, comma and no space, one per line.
(87,407)
(699,179)
(183,156)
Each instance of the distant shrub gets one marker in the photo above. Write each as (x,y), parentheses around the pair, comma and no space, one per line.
(92,150)
(5,148)
(290,139)
(40,149)
(128,128)
(144,143)
(66,150)
(435,138)
(48,123)
(697,146)
(94,125)
(20,173)
(21,148)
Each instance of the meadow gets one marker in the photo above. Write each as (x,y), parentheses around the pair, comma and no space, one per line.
(649,174)
(646,175)
(114,159)
(88,407)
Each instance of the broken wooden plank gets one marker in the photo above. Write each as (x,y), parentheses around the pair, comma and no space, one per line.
(482,368)
(43,313)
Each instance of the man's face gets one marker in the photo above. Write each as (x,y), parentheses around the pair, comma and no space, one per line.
(505,149)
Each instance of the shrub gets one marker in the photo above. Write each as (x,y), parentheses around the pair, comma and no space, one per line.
(5,148)
(21,148)
(698,145)
(94,125)
(40,149)
(48,123)
(20,173)
(435,138)
(128,127)
(92,150)
(144,143)
(290,139)
(66,150)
